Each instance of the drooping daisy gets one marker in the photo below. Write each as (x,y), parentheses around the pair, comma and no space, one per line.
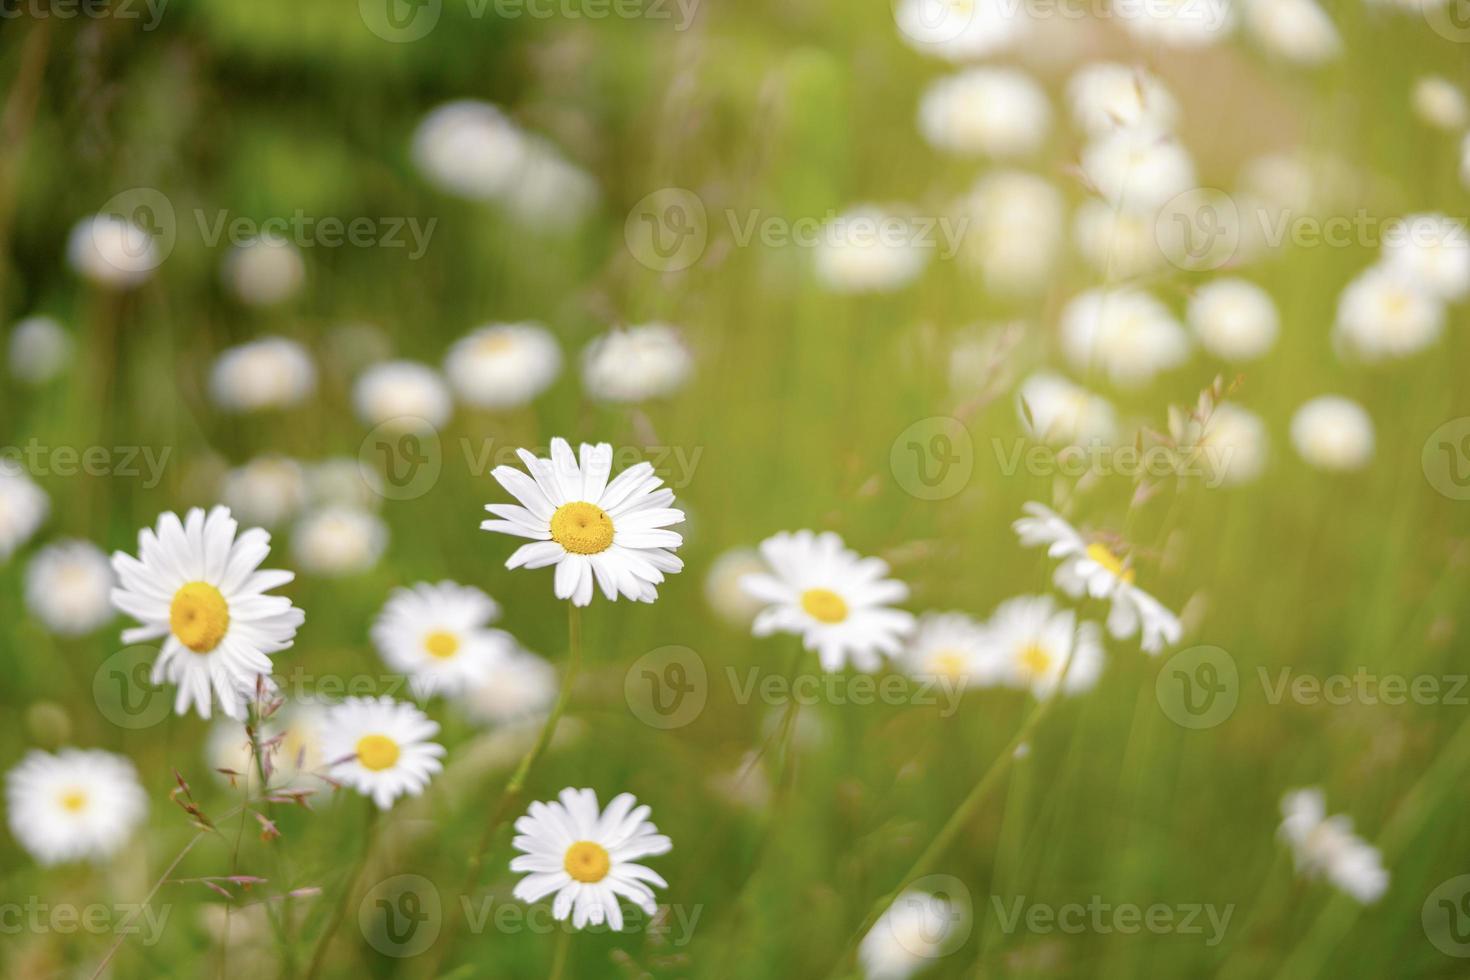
(1138,170)
(269,373)
(1059,413)
(1326,847)
(1015,230)
(469,149)
(23,507)
(439,636)
(1230,445)
(522,686)
(612,534)
(337,540)
(835,600)
(265,491)
(1385,314)
(1176,23)
(404,393)
(39,350)
(69,587)
(1106,95)
(1234,319)
(1124,332)
(911,935)
(868,250)
(951,646)
(1431,250)
(587,857)
(264,271)
(993,112)
(1294,30)
(77,804)
(381,748)
(1333,433)
(961,30)
(1439,103)
(503,365)
(112,251)
(1033,641)
(636,363)
(1092,568)
(199,589)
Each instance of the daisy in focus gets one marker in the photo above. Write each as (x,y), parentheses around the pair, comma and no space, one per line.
(1326,847)
(612,534)
(381,748)
(1034,642)
(835,600)
(1093,569)
(69,587)
(951,646)
(200,589)
(586,857)
(438,636)
(77,804)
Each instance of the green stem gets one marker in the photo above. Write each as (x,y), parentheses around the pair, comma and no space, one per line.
(559,958)
(319,955)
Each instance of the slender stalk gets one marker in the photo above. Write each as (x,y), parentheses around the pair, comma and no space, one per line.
(123,931)
(559,958)
(324,942)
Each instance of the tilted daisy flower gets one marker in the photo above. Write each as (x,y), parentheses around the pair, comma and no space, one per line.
(380,747)
(587,857)
(1034,641)
(1091,568)
(1326,847)
(951,646)
(23,507)
(503,365)
(1385,313)
(77,804)
(200,589)
(835,600)
(611,534)
(438,635)
(69,587)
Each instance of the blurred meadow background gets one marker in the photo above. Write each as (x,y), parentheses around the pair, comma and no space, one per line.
(605,167)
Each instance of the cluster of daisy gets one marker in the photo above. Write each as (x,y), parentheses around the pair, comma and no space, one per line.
(1326,847)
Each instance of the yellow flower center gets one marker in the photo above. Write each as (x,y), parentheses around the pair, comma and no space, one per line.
(824,605)
(199,616)
(74,800)
(377,752)
(948,663)
(582,528)
(1034,660)
(1101,554)
(497,343)
(587,862)
(442,644)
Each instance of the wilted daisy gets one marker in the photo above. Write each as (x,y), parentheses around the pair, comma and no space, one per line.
(634,364)
(1092,568)
(380,747)
(994,112)
(1138,169)
(23,507)
(338,539)
(1125,333)
(951,646)
(587,857)
(405,394)
(1431,250)
(503,365)
(1059,413)
(1384,314)
(912,934)
(39,349)
(264,271)
(1118,244)
(439,636)
(1105,96)
(292,737)
(69,587)
(1176,23)
(1013,231)
(1438,102)
(961,30)
(469,149)
(868,250)
(199,589)
(1326,847)
(1293,30)
(1234,319)
(272,372)
(614,534)
(77,804)
(1333,433)
(837,601)
(1033,641)
(265,491)
(722,589)
(522,686)
(112,251)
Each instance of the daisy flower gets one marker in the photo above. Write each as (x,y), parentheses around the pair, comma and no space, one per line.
(722,589)
(337,540)
(1438,102)
(1385,313)
(199,589)
(1139,170)
(1231,445)
(1293,30)
(39,350)
(951,646)
(551,194)
(960,30)
(264,271)
(1333,433)
(1126,332)
(503,365)
(405,393)
(1106,95)
(868,250)
(586,857)
(296,755)
(469,149)
(993,112)
(912,934)
(636,364)
(380,747)
(112,251)
(1091,568)
(265,491)
(1326,847)
(1431,250)
(76,804)
(69,587)
(1016,230)
(1059,413)
(1234,319)
(1118,244)
(612,534)
(23,507)
(438,636)
(1032,641)
(269,373)
(522,686)
(835,600)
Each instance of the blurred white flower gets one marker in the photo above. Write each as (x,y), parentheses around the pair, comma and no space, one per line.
(343,480)
(954,648)
(439,635)
(69,587)
(868,250)
(1106,96)
(1431,250)
(1118,244)
(1139,170)
(1439,102)
(112,251)
(264,271)
(1294,30)
(77,804)
(1384,314)
(1231,445)
(994,112)
(269,373)
(911,935)
(550,192)
(1326,847)
(296,755)
(1014,229)
(40,349)
(1333,433)
(1234,319)
(406,394)
(1125,333)
(23,507)
(470,149)
(635,364)
(381,748)
(722,589)
(1064,414)
(265,491)
(338,540)
(961,30)
(522,686)
(503,365)
(1034,641)
(1176,23)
